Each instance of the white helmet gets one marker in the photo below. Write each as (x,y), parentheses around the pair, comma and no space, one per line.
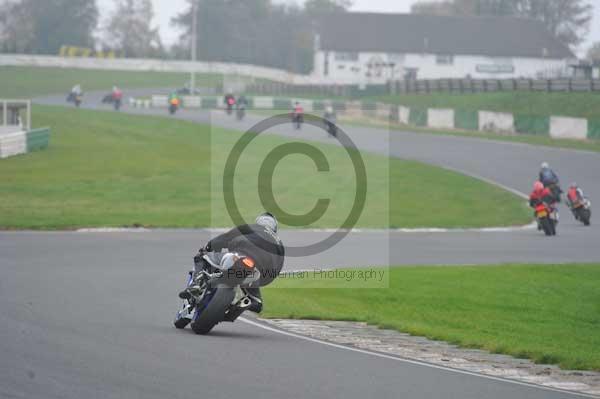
(267,220)
(545,165)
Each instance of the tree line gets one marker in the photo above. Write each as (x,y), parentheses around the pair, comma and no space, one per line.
(262,32)
(567,20)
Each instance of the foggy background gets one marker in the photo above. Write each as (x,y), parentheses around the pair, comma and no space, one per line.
(166,9)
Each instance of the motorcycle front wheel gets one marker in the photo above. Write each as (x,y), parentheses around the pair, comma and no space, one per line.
(585,216)
(548,226)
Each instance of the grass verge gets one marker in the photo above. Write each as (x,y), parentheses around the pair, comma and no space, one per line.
(111,169)
(550,314)
(25,82)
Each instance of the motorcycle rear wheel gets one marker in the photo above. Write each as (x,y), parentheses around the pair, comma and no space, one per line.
(585,216)
(548,226)
(214,311)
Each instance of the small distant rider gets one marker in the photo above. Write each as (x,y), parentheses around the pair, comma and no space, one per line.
(575,197)
(76,91)
(117,94)
(540,194)
(298,115)
(242,102)
(330,120)
(117,97)
(229,101)
(550,180)
(174,98)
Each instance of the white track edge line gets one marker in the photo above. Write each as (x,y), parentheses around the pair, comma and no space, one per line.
(410,361)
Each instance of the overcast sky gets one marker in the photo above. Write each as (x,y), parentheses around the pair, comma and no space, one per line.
(165,9)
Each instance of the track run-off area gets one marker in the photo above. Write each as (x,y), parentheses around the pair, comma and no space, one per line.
(88,314)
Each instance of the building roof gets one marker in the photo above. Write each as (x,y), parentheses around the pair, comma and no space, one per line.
(416,33)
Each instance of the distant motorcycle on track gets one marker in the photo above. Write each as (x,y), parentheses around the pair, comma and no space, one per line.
(580,206)
(173,105)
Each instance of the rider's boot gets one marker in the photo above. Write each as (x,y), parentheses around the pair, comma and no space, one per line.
(189,291)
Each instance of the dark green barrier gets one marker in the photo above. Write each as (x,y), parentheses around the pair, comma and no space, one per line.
(209,102)
(282,103)
(527,124)
(593,128)
(466,120)
(418,116)
(38,139)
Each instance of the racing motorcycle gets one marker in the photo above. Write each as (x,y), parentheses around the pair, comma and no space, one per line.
(582,210)
(547,218)
(173,105)
(216,293)
(75,99)
(229,103)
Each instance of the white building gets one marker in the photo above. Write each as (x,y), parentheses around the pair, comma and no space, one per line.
(373,48)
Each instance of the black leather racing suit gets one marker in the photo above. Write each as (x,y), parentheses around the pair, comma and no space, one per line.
(257,242)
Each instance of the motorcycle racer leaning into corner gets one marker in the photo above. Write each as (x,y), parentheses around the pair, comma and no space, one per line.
(258,241)
(550,180)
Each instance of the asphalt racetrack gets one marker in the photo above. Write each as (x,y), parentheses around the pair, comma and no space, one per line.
(88,314)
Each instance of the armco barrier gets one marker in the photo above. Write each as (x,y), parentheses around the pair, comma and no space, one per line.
(568,128)
(263,102)
(383,111)
(418,116)
(440,118)
(404,115)
(191,101)
(496,122)
(555,127)
(160,101)
(466,120)
(594,128)
(528,124)
(12,144)
(210,102)
(38,139)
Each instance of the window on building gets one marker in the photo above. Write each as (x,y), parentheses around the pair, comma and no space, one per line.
(444,59)
(346,56)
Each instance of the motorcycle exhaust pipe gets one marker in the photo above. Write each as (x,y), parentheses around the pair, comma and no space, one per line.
(244,303)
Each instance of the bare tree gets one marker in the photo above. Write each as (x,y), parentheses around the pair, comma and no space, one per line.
(433,7)
(130,29)
(568,20)
(318,7)
(593,53)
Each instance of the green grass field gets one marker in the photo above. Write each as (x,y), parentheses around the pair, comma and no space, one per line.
(584,105)
(550,314)
(110,169)
(25,82)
